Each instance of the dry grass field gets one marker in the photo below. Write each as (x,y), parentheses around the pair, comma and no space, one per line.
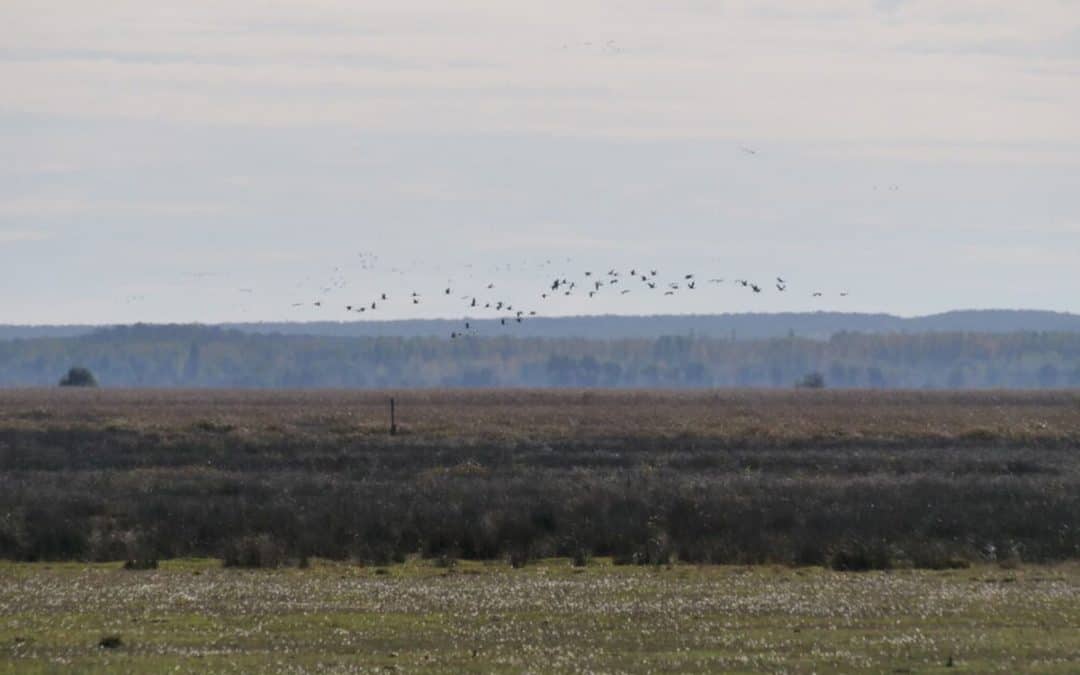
(852,479)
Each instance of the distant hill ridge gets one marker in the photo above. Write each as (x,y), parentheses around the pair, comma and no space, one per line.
(817,325)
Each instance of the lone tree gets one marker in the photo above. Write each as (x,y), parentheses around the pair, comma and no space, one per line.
(78,377)
(813,380)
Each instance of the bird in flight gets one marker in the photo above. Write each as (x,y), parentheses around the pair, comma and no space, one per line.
(564,284)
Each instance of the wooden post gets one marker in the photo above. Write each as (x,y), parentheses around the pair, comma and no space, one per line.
(393,423)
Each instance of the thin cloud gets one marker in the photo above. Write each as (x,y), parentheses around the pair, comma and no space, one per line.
(811,72)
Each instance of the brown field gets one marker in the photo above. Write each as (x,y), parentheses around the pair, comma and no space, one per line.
(735,417)
(851,479)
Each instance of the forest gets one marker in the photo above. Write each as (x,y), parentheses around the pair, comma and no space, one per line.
(195,356)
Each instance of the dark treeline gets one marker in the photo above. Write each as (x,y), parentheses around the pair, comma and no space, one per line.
(198,356)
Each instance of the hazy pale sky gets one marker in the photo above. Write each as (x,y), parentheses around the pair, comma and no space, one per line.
(222,160)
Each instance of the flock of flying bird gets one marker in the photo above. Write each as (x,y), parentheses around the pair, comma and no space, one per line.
(590,284)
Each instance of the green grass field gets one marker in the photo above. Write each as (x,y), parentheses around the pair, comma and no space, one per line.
(195,616)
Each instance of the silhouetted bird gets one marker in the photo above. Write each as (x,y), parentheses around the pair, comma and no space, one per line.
(755,288)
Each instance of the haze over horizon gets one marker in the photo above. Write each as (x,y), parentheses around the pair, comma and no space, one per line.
(222,161)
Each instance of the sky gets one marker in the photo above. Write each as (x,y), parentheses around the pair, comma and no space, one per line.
(233,160)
